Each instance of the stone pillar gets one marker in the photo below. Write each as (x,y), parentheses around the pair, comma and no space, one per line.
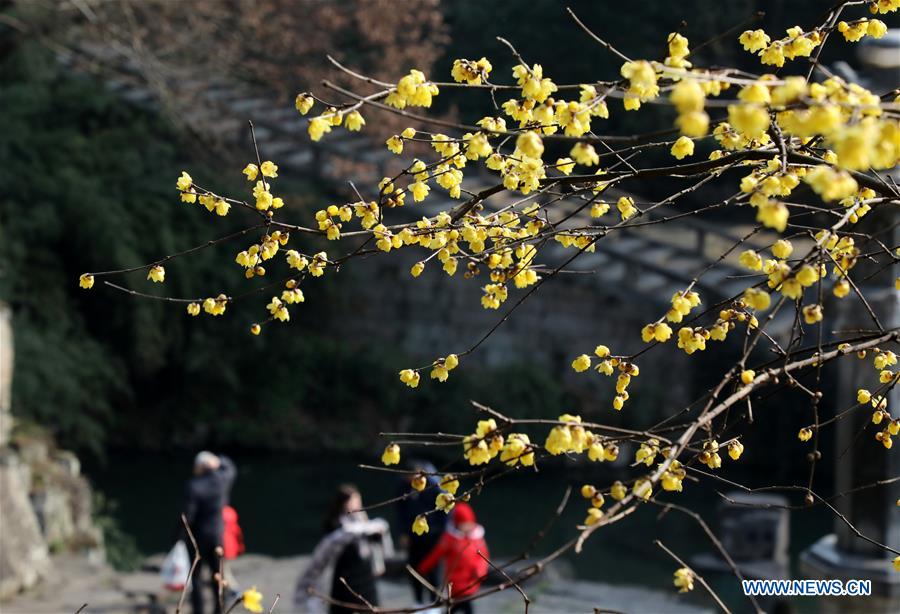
(23,552)
(6,371)
(859,459)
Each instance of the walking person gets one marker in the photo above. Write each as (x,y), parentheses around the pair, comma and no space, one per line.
(353,548)
(459,547)
(207,493)
(412,503)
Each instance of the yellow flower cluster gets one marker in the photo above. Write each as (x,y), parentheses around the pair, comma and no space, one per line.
(882,361)
(471,72)
(413,90)
(796,44)
(321,125)
(569,437)
(252,257)
(484,444)
(517,449)
(856,30)
(642,83)
(678,51)
(533,83)
(659,331)
(682,304)
(572,437)
(607,366)
(688,97)
(262,189)
(191,194)
(328,224)
(597,500)
(214,306)
(440,369)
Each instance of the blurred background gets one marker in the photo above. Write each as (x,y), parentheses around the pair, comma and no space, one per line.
(104,103)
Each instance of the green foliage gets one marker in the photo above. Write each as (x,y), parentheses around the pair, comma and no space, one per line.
(121,549)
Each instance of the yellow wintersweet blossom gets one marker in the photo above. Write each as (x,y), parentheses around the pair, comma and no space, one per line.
(354,121)
(517,449)
(642,489)
(678,51)
(585,154)
(86,281)
(420,525)
(442,367)
(391,454)
(184,182)
(754,40)
(269,169)
(812,314)
(410,377)
(251,171)
(445,502)
(626,207)
(533,83)
(831,184)
(303,103)
(419,482)
(752,260)
(156,274)
(594,516)
(683,580)
(581,363)
(318,127)
(751,120)
(642,80)
(251,599)
(659,331)
(682,148)
(449,483)
(782,248)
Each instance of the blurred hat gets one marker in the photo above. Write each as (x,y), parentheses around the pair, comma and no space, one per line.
(462,513)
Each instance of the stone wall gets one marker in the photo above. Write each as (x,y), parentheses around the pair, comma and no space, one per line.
(45,502)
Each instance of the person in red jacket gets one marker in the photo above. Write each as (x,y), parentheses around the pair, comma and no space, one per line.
(458,548)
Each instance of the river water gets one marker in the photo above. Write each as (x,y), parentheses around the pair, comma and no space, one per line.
(281,500)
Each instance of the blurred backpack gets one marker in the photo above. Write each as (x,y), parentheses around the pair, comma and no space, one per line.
(233,538)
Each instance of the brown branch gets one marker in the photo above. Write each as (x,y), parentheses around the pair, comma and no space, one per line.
(194,564)
(695,574)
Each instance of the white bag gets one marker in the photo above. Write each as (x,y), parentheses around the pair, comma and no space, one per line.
(176,567)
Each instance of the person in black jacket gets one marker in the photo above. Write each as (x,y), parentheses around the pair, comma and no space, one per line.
(411,503)
(207,493)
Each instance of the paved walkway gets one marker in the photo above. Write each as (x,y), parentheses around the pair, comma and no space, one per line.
(75,582)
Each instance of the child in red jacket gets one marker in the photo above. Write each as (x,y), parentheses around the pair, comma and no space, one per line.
(464,568)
